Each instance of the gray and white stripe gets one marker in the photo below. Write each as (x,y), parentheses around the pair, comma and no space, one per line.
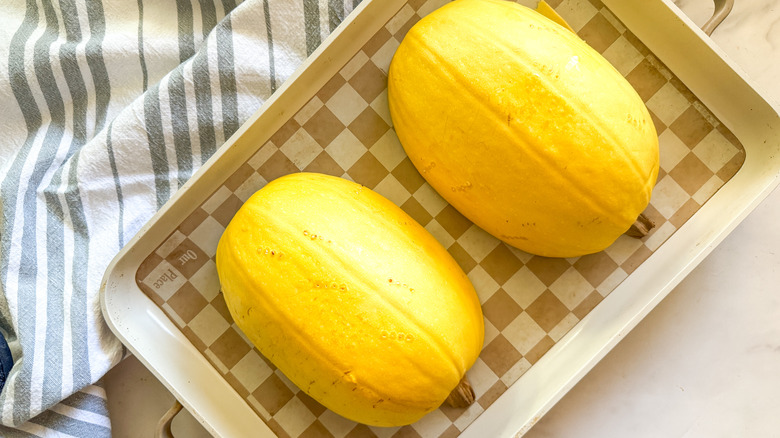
(110,108)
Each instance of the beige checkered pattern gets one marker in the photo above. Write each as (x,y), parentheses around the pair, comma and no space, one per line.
(529,302)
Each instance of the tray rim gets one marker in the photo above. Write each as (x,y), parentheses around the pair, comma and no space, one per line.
(701,65)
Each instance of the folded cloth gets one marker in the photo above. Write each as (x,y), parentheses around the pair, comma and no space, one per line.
(107,109)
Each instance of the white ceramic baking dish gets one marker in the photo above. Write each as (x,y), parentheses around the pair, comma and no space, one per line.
(693,58)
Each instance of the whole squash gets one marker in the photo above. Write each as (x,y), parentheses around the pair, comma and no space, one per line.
(522,127)
(350,298)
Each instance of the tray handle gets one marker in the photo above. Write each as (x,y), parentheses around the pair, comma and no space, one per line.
(722,10)
(164,425)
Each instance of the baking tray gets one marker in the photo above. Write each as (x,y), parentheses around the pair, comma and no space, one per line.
(548,321)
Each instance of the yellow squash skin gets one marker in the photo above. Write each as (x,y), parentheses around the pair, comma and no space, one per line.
(350,298)
(522,127)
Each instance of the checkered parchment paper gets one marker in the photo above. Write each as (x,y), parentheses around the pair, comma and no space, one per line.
(529,302)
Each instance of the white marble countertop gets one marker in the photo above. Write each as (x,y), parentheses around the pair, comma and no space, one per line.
(704,363)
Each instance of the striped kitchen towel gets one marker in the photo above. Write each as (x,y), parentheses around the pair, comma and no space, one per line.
(106,109)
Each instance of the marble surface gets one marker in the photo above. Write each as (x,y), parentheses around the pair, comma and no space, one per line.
(704,363)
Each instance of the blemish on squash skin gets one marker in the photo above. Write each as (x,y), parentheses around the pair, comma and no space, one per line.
(508,237)
(462,188)
(392,282)
(322,284)
(429,167)
(636,122)
(314,236)
(269,252)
